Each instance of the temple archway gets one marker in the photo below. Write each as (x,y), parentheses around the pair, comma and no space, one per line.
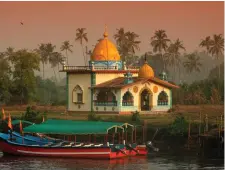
(145,99)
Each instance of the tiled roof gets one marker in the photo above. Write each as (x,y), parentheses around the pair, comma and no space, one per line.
(119,82)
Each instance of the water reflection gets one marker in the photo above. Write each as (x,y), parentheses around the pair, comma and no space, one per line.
(152,162)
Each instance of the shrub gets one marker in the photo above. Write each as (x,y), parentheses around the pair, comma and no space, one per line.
(93,117)
(33,116)
(135,116)
(179,126)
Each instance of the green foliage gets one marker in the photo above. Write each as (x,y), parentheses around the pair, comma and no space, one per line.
(179,127)
(33,116)
(93,117)
(135,117)
(5,82)
(25,63)
(199,92)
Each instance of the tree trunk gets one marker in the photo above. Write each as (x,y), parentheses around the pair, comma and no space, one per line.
(219,77)
(83,55)
(43,70)
(174,78)
(54,74)
(59,73)
(67,58)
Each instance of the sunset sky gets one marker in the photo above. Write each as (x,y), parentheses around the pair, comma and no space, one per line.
(56,22)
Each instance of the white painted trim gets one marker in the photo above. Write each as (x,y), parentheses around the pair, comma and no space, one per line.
(63,153)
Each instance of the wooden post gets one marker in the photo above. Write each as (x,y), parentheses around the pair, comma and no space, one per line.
(106,137)
(221,121)
(206,122)
(75,139)
(119,138)
(113,136)
(89,138)
(135,134)
(199,127)
(132,136)
(200,123)
(126,136)
(189,128)
(143,135)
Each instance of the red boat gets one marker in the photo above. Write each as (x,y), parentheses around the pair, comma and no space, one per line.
(73,149)
(96,152)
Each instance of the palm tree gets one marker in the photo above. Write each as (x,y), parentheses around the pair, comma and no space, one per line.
(82,36)
(66,46)
(43,56)
(120,36)
(206,43)
(217,47)
(132,43)
(192,64)
(173,54)
(159,43)
(126,42)
(55,59)
(9,51)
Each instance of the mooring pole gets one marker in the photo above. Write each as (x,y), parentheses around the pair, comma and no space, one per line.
(132,136)
(135,134)
(189,128)
(126,135)
(113,135)
(207,125)
(199,127)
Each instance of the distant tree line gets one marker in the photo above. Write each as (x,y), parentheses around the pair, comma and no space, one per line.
(19,83)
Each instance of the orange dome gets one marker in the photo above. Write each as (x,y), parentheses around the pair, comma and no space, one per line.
(145,71)
(105,50)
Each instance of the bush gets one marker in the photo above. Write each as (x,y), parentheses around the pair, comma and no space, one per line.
(179,126)
(93,117)
(33,116)
(135,116)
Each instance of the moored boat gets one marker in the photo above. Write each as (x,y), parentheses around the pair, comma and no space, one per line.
(27,146)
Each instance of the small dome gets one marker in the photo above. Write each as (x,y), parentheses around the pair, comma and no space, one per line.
(145,71)
(105,50)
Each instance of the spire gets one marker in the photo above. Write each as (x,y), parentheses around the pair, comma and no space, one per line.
(145,57)
(105,33)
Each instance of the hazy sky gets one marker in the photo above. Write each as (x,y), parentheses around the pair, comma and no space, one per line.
(56,22)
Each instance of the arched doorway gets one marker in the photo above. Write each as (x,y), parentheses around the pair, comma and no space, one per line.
(145,100)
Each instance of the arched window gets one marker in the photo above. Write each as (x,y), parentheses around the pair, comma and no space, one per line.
(106,98)
(163,99)
(77,94)
(128,99)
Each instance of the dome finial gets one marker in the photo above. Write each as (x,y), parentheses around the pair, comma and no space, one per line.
(105,33)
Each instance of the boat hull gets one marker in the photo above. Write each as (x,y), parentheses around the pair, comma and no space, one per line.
(65,152)
(142,149)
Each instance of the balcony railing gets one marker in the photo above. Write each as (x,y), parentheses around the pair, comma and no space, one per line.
(98,103)
(83,68)
(128,103)
(76,67)
(162,103)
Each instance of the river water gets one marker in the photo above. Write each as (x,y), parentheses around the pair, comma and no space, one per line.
(156,161)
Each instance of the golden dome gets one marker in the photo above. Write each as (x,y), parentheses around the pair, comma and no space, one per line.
(105,50)
(145,71)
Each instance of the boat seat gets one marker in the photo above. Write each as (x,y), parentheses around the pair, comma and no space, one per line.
(78,145)
(88,145)
(58,144)
(98,145)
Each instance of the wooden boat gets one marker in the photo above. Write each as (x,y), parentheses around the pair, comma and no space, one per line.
(74,149)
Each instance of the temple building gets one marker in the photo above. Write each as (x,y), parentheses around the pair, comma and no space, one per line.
(107,85)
